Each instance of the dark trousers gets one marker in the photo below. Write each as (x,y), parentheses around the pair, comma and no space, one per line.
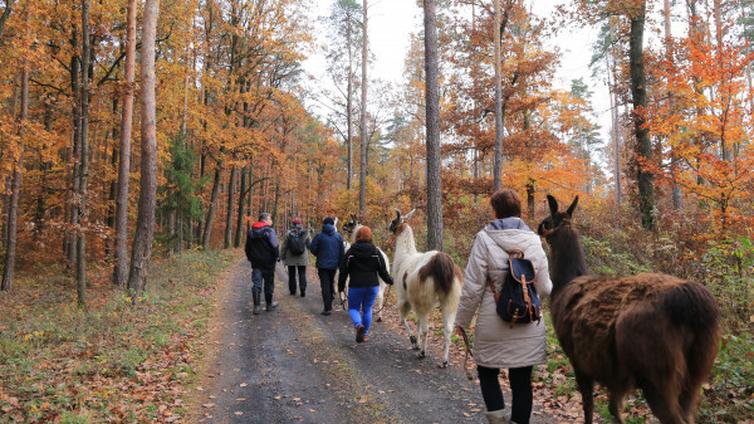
(520,379)
(301,279)
(258,277)
(327,284)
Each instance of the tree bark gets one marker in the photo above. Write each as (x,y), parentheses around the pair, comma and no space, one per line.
(675,189)
(11,229)
(83,158)
(229,208)
(241,204)
(645,178)
(6,14)
(349,101)
(434,160)
(363,121)
(120,272)
(210,218)
(144,236)
(497,169)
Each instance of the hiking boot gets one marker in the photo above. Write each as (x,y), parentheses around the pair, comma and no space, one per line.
(271,306)
(303,294)
(257,309)
(326,313)
(360,331)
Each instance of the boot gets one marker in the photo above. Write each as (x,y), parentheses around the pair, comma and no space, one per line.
(270,304)
(257,302)
(496,417)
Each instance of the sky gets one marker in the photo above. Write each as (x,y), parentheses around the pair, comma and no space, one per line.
(392,21)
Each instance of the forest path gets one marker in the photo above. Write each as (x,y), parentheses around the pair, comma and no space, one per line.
(295,365)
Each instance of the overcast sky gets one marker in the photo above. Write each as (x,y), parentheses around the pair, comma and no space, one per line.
(391,22)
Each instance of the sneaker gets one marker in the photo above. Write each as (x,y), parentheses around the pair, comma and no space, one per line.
(257,309)
(360,333)
(271,306)
(326,313)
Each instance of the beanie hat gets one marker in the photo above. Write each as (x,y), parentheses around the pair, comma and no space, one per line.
(329,220)
(296,221)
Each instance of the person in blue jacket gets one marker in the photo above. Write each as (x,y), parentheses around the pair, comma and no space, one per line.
(327,246)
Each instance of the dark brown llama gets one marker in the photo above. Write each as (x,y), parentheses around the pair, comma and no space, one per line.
(654,332)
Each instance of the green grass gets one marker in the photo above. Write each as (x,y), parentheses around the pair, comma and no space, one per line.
(112,361)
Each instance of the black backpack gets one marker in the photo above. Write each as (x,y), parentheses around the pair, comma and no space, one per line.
(297,243)
(518,301)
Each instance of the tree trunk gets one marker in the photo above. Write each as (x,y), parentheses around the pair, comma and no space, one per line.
(497,170)
(250,203)
(363,120)
(241,202)
(73,214)
(120,272)
(229,208)
(210,218)
(645,178)
(349,102)
(83,159)
(676,189)
(530,202)
(142,244)
(11,229)
(434,160)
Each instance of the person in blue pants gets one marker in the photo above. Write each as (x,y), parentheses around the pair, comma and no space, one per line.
(362,263)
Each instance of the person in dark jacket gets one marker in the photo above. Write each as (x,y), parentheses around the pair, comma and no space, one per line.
(362,264)
(327,246)
(262,250)
(295,256)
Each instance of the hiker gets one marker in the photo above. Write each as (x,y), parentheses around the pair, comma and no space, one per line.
(327,246)
(262,251)
(295,257)
(362,263)
(498,344)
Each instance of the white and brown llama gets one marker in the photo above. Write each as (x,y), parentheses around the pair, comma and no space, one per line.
(351,228)
(422,281)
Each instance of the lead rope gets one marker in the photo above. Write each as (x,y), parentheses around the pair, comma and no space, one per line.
(385,298)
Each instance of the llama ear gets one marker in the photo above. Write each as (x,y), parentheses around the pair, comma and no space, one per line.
(553,205)
(408,215)
(397,215)
(573,206)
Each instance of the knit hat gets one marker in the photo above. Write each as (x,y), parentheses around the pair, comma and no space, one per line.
(296,221)
(329,220)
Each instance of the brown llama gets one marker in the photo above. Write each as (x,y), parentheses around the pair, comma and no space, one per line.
(650,331)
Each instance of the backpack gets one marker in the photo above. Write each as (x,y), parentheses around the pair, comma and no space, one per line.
(296,243)
(518,301)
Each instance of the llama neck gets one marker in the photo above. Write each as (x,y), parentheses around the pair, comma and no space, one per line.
(567,258)
(405,246)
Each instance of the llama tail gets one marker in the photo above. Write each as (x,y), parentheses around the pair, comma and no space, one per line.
(692,308)
(444,272)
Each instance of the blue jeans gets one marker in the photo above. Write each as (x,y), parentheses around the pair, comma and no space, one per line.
(360,302)
(262,277)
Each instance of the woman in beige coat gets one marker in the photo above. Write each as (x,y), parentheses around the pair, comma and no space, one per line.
(497,344)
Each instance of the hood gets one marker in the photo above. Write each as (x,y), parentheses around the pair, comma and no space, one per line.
(510,223)
(328,229)
(259,225)
(515,238)
(363,248)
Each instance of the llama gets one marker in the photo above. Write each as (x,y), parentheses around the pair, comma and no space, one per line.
(350,228)
(650,331)
(422,281)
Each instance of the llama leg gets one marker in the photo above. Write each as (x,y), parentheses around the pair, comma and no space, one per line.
(586,387)
(616,404)
(404,309)
(448,319)
(664,403)
(423,335)
(688,400)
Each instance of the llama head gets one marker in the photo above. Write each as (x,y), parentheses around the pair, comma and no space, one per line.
(351,224)
(556,218)
(396,225)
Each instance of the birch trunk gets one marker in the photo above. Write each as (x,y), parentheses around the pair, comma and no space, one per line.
(363,120)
